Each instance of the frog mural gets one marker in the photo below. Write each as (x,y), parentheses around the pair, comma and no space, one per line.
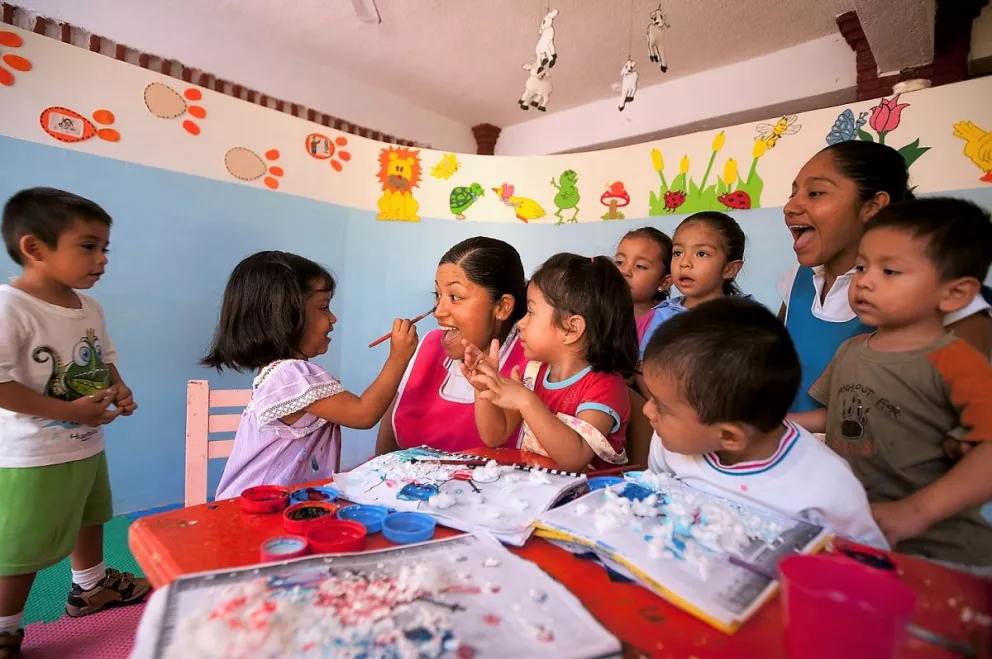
(567,197)
(84,375)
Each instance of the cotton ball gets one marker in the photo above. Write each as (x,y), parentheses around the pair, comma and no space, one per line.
(491,562)
(581,509)
(441,501)
(517,504)
(539,478)
(604,520)
(474,498)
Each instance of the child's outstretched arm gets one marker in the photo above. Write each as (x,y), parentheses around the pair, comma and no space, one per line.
(811,420)
(347,409)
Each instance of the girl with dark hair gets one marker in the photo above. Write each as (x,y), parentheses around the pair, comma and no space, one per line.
(644,258)
(834,194)
(480,291)
(580,336)
(274,319)
(707,255)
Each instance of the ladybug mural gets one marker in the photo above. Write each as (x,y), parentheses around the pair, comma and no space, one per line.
(674,199)
(738,200)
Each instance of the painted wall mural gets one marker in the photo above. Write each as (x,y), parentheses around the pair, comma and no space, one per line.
(166,103)
(83,101)
(399,173)
(322,147)
(11,61)
(977,147)
(883,118)
(685,195)
(70,127)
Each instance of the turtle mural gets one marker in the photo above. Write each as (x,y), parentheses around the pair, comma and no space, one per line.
(462,198)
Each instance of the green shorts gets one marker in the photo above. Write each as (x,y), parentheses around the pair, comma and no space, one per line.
(42,509)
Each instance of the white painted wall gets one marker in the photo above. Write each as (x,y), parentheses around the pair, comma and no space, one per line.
(272,72)
(818,67)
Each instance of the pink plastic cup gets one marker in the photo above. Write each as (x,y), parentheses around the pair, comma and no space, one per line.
(837,607)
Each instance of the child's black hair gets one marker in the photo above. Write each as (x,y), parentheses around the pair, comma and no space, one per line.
(732,359)
(495,266)
(958,233)
(45,213)
(263,316)
(730,233)
(594,289)
(873,167)
(664,244)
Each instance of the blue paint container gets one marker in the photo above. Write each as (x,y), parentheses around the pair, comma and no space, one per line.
(308,494)
(371,517)
(407,528)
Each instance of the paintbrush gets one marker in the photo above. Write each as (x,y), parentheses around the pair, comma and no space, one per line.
(385,337)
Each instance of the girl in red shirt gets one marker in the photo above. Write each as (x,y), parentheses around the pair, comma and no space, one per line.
(581,340)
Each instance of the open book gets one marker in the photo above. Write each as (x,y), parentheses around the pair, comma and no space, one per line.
(685,544)
(465,596)
(498,499)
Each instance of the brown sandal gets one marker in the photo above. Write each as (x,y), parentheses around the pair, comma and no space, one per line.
(115,589)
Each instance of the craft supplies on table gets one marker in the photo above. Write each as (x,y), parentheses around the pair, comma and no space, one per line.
(336,536)
(408,528)
(264,499)
(313,494)
(300,517)
(368,516)
(501,499)
(283,547)
(463,596)
(677,541)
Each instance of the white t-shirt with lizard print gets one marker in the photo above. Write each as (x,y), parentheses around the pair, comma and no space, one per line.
(59,352)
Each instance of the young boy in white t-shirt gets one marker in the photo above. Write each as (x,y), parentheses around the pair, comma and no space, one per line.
(721,378)
(57,385)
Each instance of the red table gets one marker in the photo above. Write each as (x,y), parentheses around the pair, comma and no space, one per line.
(219,536)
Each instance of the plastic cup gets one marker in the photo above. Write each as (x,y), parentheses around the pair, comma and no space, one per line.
(837,607)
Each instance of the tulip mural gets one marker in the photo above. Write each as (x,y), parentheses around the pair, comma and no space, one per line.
(730,191)
(884,119)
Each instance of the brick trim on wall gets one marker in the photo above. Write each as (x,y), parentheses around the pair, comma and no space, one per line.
(952,42)
(70,34)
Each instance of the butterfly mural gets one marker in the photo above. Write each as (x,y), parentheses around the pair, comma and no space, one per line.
(845,128)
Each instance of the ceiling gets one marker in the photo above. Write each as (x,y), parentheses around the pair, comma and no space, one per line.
(463,59)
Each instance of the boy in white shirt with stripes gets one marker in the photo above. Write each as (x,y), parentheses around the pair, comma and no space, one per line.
(721,378)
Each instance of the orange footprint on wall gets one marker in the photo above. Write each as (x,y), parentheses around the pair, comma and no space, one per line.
(166,103)
(322,147)
(11,40)
(247,165)
(69,126)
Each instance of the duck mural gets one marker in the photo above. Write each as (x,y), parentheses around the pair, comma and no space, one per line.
(524,208)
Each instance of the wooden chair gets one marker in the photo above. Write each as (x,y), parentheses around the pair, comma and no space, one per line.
(200,424)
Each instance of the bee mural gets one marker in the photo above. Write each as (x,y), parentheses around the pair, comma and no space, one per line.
(772,133)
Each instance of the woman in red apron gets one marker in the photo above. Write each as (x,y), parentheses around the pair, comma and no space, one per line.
(481,293)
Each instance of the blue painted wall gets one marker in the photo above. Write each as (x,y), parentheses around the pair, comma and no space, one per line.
(176,239)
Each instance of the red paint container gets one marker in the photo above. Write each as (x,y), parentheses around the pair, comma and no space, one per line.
(301,517)
(283,547)
(336,537)
(264,499)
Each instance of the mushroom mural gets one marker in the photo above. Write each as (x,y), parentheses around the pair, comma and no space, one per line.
(614,198)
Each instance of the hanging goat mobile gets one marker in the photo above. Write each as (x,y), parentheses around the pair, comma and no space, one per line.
(537,89)
(545,49)
(656,38)
(628,84)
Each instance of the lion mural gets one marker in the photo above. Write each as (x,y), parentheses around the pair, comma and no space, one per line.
(399,173)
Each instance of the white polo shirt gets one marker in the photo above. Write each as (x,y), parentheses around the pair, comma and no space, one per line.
(836,307)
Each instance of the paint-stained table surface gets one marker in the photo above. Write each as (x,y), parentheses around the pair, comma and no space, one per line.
(219,536)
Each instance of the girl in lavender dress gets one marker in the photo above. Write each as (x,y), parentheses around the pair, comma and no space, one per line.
(275,318)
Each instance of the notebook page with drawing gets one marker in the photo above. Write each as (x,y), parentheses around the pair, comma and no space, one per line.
(678,542)
(497,499)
